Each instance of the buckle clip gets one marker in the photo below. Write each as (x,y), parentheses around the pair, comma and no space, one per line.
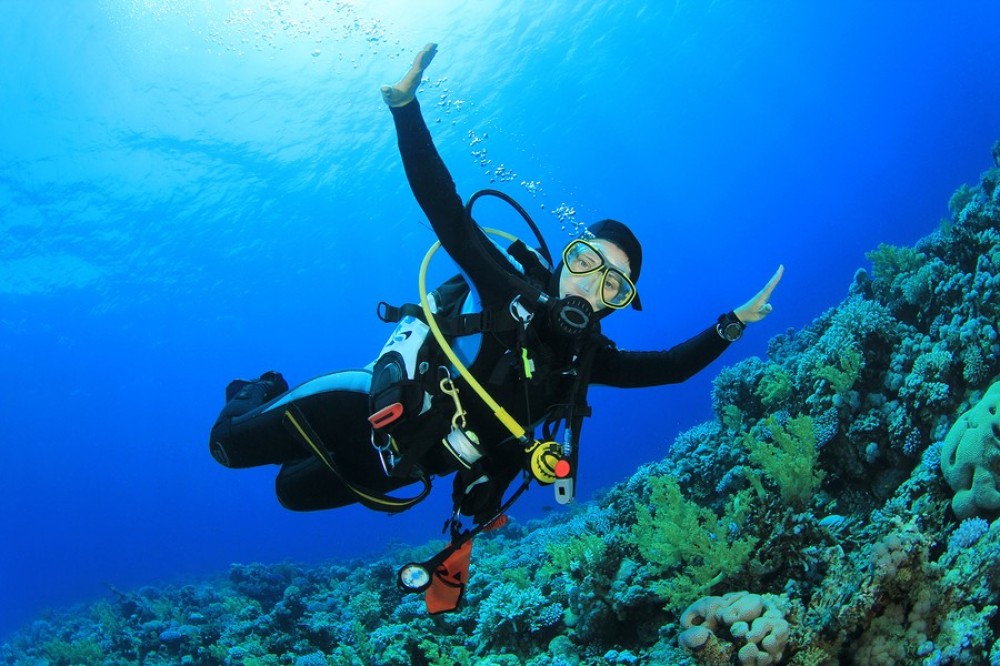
(386,454)
(386,416)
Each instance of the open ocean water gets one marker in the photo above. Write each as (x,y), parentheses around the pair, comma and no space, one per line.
(192,191)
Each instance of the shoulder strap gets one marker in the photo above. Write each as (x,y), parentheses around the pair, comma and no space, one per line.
(534,267)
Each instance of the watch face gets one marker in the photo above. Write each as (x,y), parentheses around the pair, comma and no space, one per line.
(732,331)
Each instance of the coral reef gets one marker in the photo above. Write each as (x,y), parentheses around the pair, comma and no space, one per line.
(849,480)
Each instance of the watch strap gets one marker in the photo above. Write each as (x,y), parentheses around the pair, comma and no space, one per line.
(729,327)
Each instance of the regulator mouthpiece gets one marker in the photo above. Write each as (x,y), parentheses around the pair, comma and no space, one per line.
(571,315)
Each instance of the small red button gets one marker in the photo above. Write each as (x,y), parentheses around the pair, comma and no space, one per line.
(562,469)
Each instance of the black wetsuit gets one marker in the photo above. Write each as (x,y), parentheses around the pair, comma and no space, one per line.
(249,433)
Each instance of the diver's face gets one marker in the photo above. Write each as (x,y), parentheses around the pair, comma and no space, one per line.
(587,286)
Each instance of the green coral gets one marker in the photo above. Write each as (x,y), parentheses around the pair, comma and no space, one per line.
(902,274)
(674,532)
(575,557)
(845,373)
(73,653)
(437,654)
(519,576)
(774,388)
(732,418)
(790,461)
(961,198)
(890,261)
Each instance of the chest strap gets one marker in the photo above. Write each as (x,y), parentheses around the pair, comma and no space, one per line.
(454,326)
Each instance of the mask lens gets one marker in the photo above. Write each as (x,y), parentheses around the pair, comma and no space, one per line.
(580,258)
(617,291)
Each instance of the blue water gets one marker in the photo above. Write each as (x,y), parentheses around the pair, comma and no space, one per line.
(193,191)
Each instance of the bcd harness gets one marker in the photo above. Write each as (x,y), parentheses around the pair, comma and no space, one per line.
(412,386)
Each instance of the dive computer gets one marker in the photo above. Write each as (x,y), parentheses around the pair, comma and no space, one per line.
(729,327)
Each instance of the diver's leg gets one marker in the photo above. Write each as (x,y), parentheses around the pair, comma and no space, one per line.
(243,395)
(336,408)
(337,412)
(245,437)
(404,91)
(307,485)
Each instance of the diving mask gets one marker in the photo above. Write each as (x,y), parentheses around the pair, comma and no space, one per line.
(615,288)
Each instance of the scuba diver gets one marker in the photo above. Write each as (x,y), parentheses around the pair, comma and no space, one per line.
(486,378)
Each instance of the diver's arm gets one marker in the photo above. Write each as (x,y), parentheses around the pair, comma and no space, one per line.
(435,191)
(628,369)
(614,367)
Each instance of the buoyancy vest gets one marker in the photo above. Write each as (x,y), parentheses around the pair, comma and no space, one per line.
(409,413)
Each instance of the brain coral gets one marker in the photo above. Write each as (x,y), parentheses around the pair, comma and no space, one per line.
(970,457)
(757,619)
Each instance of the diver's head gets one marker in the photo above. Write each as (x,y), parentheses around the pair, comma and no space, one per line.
(602,267)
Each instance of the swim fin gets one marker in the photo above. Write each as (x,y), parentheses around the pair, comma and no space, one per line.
(271,384)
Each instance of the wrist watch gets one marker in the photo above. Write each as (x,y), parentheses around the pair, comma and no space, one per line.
(729,327)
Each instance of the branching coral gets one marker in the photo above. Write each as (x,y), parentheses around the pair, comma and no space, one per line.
(674,533)
(890,261)
(510,613)
(575,557)
(790,461)
(774,388)
(844,373)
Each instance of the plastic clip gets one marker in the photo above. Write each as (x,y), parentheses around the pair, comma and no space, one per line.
(386,416)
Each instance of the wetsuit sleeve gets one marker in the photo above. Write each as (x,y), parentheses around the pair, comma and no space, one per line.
(435,191)
(628,369)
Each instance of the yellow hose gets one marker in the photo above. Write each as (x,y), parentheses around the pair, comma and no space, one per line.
(506,419)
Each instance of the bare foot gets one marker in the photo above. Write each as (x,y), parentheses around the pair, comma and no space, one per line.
(403,92)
